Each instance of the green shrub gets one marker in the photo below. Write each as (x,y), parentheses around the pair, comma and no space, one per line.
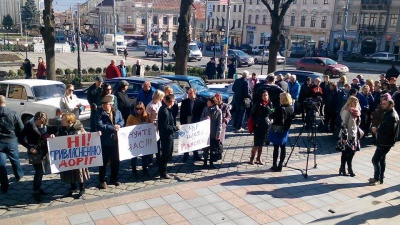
(75,81)
(84,71)
(11,73)
(147,68)
(155,68)
(98,70)
(68,71)
(87,78)
(168,68)
(21,73)
(75,71)
(91,70)
(59,71)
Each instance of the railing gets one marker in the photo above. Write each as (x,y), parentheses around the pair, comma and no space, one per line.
(370,28)
(374,2)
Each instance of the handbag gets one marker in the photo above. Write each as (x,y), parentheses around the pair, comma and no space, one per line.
(247,102)
(217,150)
(250,125)
(277,128)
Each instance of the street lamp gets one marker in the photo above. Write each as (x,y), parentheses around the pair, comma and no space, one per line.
(164,36)
(26,50)
(17,45)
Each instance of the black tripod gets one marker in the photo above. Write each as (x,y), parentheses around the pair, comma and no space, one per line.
(311,125)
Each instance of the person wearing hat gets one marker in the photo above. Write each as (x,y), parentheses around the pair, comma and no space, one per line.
(211,69)
(109,120)
(124,102)
(392,72)
(386,137)
(93,94)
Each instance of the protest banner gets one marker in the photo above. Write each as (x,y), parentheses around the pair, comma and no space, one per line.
(194,136)
(138,140)
(74,152)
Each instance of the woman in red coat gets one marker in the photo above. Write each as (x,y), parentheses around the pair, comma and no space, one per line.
(41,71)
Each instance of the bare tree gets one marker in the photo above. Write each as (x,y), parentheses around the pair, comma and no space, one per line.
(47,32)
(181,47)
(277,13)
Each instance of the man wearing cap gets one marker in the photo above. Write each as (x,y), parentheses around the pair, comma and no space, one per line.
(386,137)
(392,72)
(93,95)
(124,103)
(112,70)
(10,128)
(211,69)
(109,121)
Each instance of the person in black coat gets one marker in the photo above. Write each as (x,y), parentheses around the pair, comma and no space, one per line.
(242,91)
(124,103)
(303,95)
(273,91)
(191,110)
(93,94)
(331,103)
(211,69)
(27,67)
(231,69)
(166,127)
(281,83)
(392,72)
(221,68)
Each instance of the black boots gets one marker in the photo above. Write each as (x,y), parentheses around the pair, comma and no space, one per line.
(351,173)
(342,171)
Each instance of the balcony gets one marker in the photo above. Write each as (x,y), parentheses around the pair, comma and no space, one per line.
(364,28)
(374,4)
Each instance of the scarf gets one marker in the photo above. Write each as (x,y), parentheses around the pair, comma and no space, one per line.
(355,112)
(264,103)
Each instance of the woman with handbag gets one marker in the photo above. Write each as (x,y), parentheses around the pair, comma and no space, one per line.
(71,126)
(33,137)
(152,110)
(139,117)
(226,114)
(279,131)
(351,121)
(213,113)
(260,116)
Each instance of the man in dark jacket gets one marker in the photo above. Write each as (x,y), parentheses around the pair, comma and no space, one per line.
(325,86)
(231,69)
(303,95)
(145,94)
(386,137)
(273,91)
(191,110)
(281,83)
(93,95)
(242,91)
(166,128)
(392,72)
(109,121)
(123,101)
(221,69)
(10,128)
(211,69)
(331,105)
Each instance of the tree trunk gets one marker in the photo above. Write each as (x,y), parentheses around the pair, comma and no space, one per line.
(47,32)
(274,44)
(181,47)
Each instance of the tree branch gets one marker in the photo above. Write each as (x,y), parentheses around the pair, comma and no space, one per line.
(265,2)
(285,8)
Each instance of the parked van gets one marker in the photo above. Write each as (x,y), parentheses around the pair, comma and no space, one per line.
(194,51)
(109,42)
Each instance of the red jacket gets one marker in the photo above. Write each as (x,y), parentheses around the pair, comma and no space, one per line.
(41,71)
(112,71)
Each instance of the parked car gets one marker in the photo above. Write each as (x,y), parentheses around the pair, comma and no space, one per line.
(198,84)
(322,65)
(2,41)
(381,56)
(245,48)
(263,57)
(155,51)
(241,57)
(29,96)
(257,49)
(298,52)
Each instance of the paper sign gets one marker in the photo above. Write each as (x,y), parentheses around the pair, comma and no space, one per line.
(138,140)
(194,136)
(74,152)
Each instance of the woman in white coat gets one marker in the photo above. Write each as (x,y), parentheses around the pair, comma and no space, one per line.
(70,103)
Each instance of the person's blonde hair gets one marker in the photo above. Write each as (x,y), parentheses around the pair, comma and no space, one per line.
(218,99)
(350,102)
(168,89)
(344,78)
(370,83)
(158,95)
(68,86)
(365,87)
(71,118)
(285,99)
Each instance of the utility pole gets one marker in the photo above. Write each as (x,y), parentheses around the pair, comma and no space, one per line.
(78,41)
(115,29)
(205,26)
(227,35)
(344,30)
(20,17)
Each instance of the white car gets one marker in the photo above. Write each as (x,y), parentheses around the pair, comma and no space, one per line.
(6,42)
(263,57)
(29,96)
(382,56)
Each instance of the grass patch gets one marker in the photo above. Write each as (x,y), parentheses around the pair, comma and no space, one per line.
(9,58)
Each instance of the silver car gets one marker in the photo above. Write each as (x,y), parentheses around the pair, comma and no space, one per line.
(155,51)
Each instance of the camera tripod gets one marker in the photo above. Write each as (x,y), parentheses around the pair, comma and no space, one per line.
(310,124)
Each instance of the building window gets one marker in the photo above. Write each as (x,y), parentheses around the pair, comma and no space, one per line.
(303,21)
(234,8)
(143,19)
(315,2)
(223,22)
(240,8)
(326,2)
(312,21)
(175,20)
(212,23)
(218,8)
(304,2)
(393,20)
(223,8)
(372,20)
(239,23)
(354,19)
(129,19)
(264,22)
(251,2)
(234,24)
(256,22)
(249,19)
(213,8)
(339,18)
(292,20)
(323,22)
(217,22)
(165,20)
(155,20)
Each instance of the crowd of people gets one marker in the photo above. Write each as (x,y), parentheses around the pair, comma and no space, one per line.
(350,111)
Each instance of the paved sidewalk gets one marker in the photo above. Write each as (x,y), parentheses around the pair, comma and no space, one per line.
(246,197)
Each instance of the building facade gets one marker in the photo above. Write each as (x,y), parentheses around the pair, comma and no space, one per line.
(12,8)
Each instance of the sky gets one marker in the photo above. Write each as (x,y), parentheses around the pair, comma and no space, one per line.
(62,5)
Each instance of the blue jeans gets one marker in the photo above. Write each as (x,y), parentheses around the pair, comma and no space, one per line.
(238,119)
(379,162)
(10,150)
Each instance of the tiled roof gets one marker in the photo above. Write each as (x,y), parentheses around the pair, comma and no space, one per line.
(200,10)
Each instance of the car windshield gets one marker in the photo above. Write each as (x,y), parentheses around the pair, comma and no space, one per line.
(193,47)
(330,62)
(175,87)
(239,53)
(48,91)
(120,43)
(199,85)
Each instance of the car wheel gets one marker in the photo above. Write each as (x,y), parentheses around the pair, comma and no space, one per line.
(255,61)
(155,55)
(199,60)
(329,73)
(302,68)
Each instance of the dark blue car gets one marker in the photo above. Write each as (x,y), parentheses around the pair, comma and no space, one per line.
(198,84)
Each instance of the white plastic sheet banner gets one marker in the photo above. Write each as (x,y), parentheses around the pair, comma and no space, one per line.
(138,140)
(194,136)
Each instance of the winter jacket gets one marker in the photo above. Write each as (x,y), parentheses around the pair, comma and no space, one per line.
(283,115)
(125,104)
(220,70)
(76,128)
(136,120)
(41,70)
(210,70)
(314,91)
(294,89)
(195,114)
(141,70)
(106,126)
(283,84)
(260,114)
(366,102)
(166,125)
(11,125)
(112,71)
(93,95)
(388,130)
(145,96)
(122,70)
(325,90)
(332,100)
(215,115)
(226,112)
(70,104)
(350,123)
(231,71)
(241,90)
